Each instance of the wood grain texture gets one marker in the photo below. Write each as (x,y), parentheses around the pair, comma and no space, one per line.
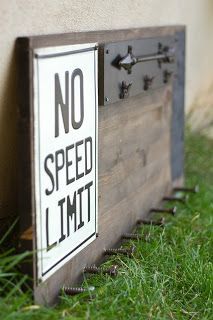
(134,157)
(102,36)
(130,180)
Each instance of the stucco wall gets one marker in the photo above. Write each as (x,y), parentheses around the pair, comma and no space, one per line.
(24,17)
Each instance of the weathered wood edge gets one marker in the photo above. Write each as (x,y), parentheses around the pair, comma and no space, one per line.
(26,201)
(102,36)
(177,127)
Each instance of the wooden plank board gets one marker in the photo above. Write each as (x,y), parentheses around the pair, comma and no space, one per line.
(134,157)
(128,194)
(103,36)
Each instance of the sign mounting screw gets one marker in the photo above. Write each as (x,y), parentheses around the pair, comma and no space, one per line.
(164,210)
(160,223)
(135,236)
(71,291)
(112,271)
(195,189)
(173,198)
(125,251)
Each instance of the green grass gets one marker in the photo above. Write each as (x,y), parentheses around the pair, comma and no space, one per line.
(171,277)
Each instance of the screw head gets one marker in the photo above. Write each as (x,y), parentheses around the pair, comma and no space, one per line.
(91,288)
(174,210)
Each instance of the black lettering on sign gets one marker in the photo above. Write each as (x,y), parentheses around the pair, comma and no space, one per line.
(59,102)
(64,105)
(78,159)
(77,156)
(49,173)
(81,224)
(87,187)
(69,164)
(88,141)
(49,246)
(61,204)
(71,211)
(75,124)
(58,166)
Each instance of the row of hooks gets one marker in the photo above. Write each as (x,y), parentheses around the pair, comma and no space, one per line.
(129,252)
(147,83)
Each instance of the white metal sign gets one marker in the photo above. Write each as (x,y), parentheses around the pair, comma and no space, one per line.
(65,133)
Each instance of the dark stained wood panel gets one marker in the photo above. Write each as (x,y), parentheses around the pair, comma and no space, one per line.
(134,156)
